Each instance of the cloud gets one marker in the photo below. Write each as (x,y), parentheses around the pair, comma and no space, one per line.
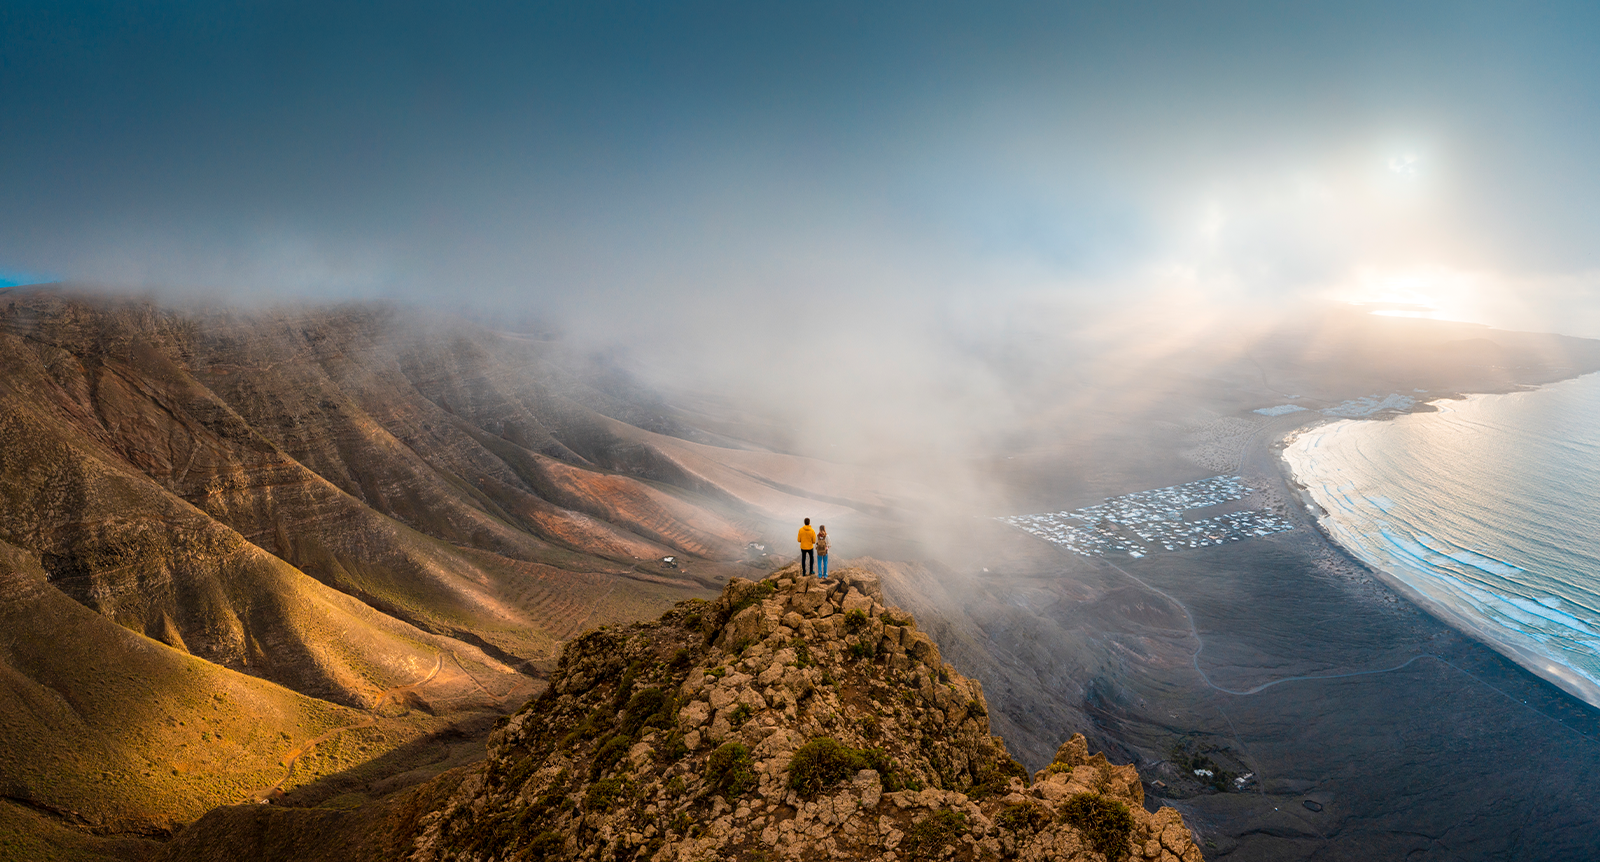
(729,174)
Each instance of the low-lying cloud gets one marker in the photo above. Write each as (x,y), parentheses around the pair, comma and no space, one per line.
(865,220)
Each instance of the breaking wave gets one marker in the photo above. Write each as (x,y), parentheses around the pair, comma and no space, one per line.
(1486,512)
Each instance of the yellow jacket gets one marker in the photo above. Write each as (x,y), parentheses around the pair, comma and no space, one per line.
(808,537)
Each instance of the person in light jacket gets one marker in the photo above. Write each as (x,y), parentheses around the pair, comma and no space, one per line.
(822,551)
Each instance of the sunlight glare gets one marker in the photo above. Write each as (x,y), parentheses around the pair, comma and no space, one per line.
(1405,166)
(1432,293)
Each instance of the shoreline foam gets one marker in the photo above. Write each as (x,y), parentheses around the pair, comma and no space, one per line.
(1551,669)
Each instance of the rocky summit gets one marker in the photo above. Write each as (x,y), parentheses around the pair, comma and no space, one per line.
(789,718)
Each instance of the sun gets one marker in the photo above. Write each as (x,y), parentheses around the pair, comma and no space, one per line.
(1405,166)
(1431,292)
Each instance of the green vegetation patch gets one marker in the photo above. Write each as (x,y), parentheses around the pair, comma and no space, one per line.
(1106,822)
(682,659)
(862,649)
(824,762)
(610,753)
(603,795)
(593,724)
(855,621)
(672,749)
(994,778)
(651,707)
(730,769)
(512,772)
(547,845)
(625,686)
(927,840)
(1023,817)
(1190,760)
(802,652)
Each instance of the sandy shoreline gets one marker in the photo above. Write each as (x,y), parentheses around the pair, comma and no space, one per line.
(1313,513)
(1536,664)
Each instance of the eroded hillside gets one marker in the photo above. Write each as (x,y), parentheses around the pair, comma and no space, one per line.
(306,521)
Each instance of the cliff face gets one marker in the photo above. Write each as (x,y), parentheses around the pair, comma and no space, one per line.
(787,719)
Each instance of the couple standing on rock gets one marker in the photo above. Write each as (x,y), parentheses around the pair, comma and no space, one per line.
(813,539)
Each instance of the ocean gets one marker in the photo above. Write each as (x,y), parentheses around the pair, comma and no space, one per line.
(1486,513)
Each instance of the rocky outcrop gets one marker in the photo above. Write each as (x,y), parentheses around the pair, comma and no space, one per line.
(790,718)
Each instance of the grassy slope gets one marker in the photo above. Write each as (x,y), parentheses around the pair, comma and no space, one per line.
(125,547)
(113,729)
(30,836)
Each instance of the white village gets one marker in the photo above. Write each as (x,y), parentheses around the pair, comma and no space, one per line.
(1146,521)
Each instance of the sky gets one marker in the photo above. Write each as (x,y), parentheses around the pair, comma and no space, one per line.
(796,186)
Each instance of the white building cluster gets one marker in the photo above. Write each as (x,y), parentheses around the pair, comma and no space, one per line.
(1280,410)
(1370,404)
(1145,521)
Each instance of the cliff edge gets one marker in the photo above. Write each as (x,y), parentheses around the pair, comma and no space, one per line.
(788,719)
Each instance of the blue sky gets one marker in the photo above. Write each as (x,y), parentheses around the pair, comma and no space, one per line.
(617,165)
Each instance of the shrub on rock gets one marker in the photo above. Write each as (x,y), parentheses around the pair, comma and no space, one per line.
(730,769)
(609,754)
(824,762)
(651,707)
(927,840)
(606,793)
(1106,822)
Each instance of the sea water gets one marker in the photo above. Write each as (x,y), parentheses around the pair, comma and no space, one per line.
(1487,513)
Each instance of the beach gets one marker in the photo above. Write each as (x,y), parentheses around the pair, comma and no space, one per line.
(1478,513)
(1348,722)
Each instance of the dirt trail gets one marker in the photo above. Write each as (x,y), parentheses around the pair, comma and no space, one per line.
(499,697)
(294,754)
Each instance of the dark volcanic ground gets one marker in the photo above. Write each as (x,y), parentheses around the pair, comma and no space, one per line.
(1441,749)
(1371,730)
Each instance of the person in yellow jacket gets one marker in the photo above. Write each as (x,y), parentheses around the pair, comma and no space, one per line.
(808,557)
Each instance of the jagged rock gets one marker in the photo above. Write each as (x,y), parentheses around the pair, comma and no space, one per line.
(774,722)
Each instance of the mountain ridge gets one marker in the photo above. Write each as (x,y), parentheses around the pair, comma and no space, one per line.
(790,718)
